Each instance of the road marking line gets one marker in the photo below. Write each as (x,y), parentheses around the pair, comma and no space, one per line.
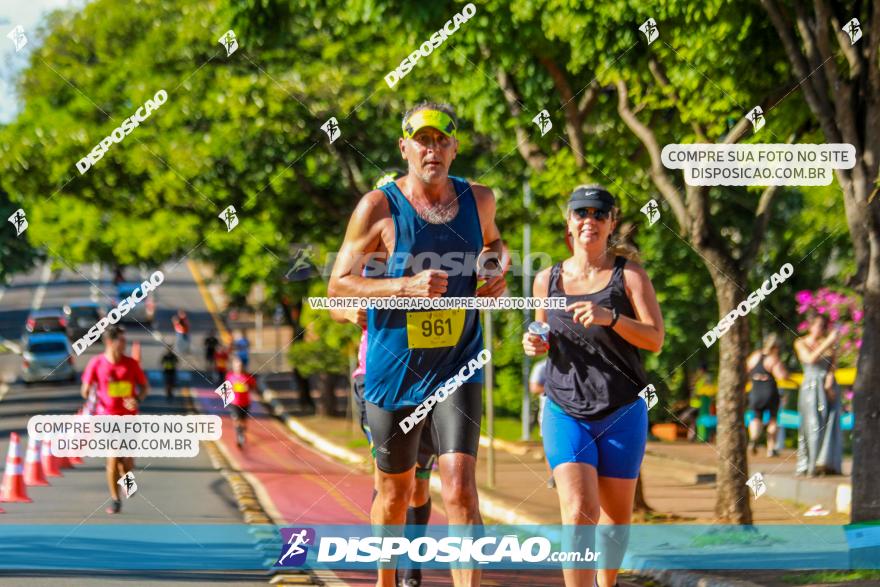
(209,302)
(41,289)
(96,275)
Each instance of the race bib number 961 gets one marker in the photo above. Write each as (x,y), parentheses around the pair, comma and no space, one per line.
(434,329)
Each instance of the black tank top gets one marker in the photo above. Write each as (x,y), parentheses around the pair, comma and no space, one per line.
(762,385)
(592,371)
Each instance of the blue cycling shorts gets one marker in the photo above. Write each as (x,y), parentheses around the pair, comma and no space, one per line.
(613,445)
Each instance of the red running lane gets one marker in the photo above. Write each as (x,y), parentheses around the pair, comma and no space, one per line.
(303,486)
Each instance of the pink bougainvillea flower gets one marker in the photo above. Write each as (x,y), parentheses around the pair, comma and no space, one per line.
(857,315)
(804,297)
(859,344)
(803,325)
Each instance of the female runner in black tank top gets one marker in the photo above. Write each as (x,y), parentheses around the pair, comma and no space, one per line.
(594,375)
(764,367)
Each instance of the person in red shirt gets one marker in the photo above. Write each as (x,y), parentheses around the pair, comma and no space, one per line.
(242,385)
(120,385)
(221,361)
(181,331)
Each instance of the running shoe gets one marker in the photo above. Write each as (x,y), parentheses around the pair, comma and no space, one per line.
(413,579)
(115,506)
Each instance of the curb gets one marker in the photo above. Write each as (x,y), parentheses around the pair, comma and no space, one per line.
(692,579)
(245,498)
(309,436)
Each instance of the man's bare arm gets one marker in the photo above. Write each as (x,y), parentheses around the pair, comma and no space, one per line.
(493,246)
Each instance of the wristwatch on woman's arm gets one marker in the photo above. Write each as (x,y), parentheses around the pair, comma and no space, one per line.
(615,315)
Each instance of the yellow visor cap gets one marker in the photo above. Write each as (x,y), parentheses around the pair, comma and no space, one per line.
(433,118)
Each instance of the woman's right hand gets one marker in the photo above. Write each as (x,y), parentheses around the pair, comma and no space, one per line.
(534,345)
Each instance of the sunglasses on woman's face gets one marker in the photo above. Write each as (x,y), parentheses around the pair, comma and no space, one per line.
(597,214)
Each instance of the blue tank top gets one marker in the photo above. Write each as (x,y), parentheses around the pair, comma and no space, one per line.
(592,371)
(411,354)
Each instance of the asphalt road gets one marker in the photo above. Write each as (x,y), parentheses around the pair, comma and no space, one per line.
(172,492)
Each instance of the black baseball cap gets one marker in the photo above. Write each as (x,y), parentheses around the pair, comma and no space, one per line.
(591,197)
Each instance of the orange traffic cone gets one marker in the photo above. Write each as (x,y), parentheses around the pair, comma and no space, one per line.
(76,460)
(50,462)
(33,468)
(136,351)
(12,488)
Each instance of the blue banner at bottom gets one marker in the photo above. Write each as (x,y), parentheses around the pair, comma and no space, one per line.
(364,547)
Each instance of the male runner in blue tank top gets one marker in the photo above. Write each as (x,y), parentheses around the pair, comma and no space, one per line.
(439,228)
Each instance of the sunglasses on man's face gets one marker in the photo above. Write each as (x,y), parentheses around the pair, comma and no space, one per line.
(597,214)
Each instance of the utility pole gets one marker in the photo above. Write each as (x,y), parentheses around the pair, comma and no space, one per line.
(488,372)
(527,292)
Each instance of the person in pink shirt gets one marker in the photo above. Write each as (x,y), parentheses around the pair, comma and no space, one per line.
(119,386)
(242,385)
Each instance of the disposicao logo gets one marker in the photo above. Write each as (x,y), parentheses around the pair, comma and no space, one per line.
(296,546)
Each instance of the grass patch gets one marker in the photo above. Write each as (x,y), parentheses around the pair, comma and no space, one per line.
(744,538)
(358,443)
(830,577)
(509,428)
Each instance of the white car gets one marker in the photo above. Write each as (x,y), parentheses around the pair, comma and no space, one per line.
(47,357)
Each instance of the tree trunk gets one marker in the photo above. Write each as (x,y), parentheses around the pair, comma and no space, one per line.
(640,505)
(732,495)
(326,385)
(866,396)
